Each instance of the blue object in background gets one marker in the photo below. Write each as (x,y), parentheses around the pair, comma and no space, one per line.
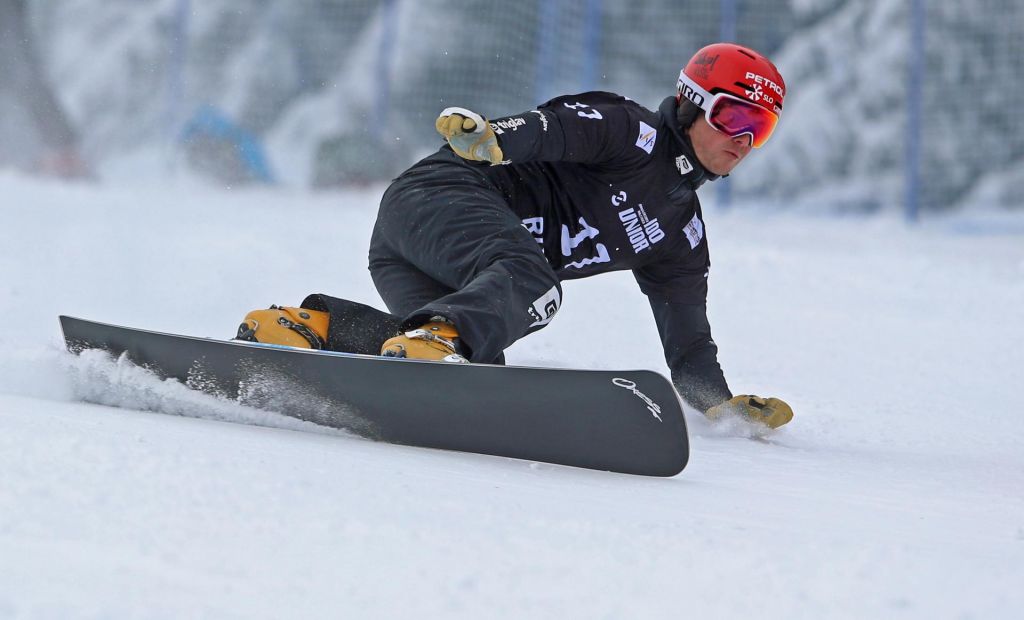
(209,123)
(915,93)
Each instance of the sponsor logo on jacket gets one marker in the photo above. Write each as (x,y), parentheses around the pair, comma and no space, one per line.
(642,231)
(544,307)
(543,119)
(683,165)
(647,138)
(694,231)
(510,124)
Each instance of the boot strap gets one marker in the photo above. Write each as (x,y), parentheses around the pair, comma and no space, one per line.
(315,342)
(423,334)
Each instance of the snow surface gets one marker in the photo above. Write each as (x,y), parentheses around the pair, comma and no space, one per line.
(895,493)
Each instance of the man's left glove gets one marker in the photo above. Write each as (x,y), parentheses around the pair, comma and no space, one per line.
(772,412)
(470,135)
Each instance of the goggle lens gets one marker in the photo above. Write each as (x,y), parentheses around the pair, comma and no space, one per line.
(736,118)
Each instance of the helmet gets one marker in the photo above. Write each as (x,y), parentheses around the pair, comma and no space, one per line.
(739,90)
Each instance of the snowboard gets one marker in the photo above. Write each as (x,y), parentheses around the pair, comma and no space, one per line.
(628,421)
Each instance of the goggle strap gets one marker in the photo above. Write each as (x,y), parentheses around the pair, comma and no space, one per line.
(693,92)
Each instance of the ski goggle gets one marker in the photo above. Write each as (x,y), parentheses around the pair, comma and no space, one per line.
(730,114)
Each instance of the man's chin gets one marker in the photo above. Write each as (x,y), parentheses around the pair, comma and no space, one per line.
(720,170)
(721,167)
(725,168)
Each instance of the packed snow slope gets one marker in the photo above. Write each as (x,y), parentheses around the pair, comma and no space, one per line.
(895,493)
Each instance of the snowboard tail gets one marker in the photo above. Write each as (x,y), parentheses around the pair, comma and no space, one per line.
(622,421)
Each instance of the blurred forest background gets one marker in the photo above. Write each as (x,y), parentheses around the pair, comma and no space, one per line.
(892,104)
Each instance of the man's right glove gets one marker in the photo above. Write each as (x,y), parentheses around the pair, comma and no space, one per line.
(772,412)
(469,135)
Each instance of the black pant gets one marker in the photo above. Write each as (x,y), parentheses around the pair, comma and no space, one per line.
(447,244)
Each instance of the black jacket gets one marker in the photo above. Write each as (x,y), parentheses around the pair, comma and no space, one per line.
(604,185)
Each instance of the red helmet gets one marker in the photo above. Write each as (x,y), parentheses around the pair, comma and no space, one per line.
(740,90)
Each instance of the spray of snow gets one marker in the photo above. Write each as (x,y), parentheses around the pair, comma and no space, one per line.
(97,377)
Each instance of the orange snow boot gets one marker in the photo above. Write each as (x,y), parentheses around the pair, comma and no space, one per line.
(436,340)
(288,326)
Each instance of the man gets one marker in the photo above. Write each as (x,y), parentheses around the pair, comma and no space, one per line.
(471,243)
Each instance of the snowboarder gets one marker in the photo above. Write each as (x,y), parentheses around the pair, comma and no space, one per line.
(471,243)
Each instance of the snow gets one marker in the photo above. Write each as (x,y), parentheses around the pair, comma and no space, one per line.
(896,491)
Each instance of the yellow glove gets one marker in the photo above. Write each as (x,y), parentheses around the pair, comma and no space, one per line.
(469,135)
(772,412)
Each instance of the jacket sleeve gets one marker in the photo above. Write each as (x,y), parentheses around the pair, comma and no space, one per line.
(678,297)
(690,352)
(587,128)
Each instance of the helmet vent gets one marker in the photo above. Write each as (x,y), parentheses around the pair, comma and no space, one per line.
(746,53)
(742,85)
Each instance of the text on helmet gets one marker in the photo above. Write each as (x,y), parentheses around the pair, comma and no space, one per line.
(692,95)
(760,79)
